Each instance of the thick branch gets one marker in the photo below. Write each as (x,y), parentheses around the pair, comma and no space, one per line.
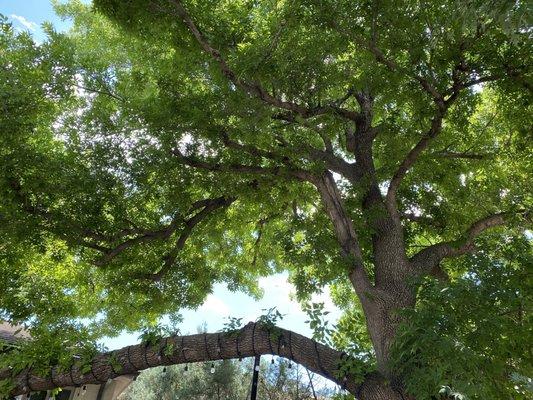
(207,205)
(327,155)
(345,232)
(240,168)
(189,225)
(253,339)
(411,158)
(464,154)
(431,256)
(371,45)
(348,170)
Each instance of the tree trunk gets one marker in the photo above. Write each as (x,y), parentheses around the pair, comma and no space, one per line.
(376,387)
(383,317)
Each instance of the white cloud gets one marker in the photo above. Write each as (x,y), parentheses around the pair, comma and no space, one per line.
(214,305)
(23,21)
(278,287)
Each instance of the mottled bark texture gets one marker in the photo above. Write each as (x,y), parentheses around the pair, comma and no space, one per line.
(253,339)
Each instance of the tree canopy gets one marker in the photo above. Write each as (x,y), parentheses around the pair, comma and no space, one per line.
(381,148)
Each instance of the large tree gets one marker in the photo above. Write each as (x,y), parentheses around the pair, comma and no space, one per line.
(377,147)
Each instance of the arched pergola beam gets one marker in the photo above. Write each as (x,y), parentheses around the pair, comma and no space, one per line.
(253,339)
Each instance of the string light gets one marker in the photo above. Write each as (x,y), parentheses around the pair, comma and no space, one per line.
(186,367)
(213,368)
(272,361)
(164,370)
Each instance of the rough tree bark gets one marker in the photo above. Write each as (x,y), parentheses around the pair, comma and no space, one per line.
(253,339)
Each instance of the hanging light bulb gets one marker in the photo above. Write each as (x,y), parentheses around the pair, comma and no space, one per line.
(257,368)
(290,365)
(186,367)
(84,390)
(164,370)
(134,378)
(240,358)
(272,361)
(213,368)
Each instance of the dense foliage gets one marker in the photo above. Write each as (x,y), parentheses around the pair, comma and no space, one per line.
(142,162)
(473,335)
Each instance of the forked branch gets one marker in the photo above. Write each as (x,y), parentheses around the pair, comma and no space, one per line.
(187,230)
(250,87)
(206,206)
(345,232)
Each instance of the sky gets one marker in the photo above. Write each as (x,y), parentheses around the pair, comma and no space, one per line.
(29,15)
